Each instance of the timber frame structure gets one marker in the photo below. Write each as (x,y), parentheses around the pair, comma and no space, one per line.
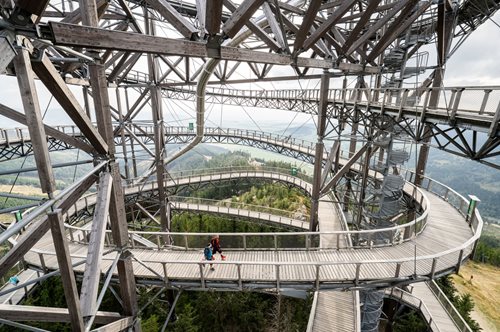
(106,62)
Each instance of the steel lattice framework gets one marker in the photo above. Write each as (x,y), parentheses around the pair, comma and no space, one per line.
(106,62)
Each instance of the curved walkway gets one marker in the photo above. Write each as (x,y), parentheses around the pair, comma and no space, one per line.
(304,269)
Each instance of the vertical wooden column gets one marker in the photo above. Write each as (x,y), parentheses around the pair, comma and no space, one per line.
(26,81)
(117,214)
(446,25)
(318,155)
(67,276)
(156,108)
(122,132)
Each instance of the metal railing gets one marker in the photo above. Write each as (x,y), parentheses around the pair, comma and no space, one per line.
(414,302)
(396,234)
(301,179)
(476,99)
(449,307)
(459,202)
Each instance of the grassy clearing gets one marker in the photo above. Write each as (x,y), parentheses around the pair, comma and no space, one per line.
(484,289)
(22,190)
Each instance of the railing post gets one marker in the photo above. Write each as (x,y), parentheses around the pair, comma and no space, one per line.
(460,256)
(186,242)
(240,281)
(317,277)
(358,268)
(398,270)
(165,275)
(277,277)
(42,262)
(433,268)
(202,277)
(485,100)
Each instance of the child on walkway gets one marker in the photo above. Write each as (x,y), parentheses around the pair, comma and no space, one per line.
(208,253)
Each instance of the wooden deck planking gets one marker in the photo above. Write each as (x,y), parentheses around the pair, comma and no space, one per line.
(439,314)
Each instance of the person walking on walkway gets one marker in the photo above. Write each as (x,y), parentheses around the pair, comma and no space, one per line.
(208,254)
(216,246)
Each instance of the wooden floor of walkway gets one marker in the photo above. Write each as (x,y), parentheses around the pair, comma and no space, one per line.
(444,223)
(439,314)
(17,296)
(335,310)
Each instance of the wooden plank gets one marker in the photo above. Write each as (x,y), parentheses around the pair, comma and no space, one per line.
(65,266)
(213,16)
(21,118)
(29,97)
(173,17)
(25,313)
(37,230)
(240,16)
(91,276)
(49,75)
(116,326)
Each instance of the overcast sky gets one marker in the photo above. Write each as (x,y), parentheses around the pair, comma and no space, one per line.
(474,64)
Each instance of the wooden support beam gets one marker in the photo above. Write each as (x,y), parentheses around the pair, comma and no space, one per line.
(21,118)
(29,97)
(257,30)
(306,25)
(119,228)
(327,25)
(363,21)
(117,215)
(25,313)
(50,77)
(38,229)
(318,156)
(91,276)
(116,326)
(377,25)
(173,17)
(293,28)
(75,16)
(79,36)
(343,170)
(33,7)
(276,27)
(405,19)
(332,156)
(213,16)
(241,16)
(65,266)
